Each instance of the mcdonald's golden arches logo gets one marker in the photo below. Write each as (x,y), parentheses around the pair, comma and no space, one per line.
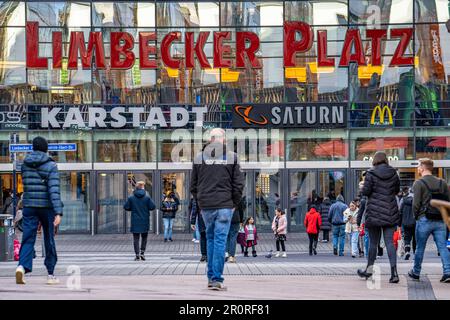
(381,115)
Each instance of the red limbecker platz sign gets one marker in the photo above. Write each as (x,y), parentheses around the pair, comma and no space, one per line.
(247,44)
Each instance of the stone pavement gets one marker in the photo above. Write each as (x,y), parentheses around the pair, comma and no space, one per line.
(173,271)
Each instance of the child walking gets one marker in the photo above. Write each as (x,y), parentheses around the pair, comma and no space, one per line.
(250,236)
(279,227)
(312,222)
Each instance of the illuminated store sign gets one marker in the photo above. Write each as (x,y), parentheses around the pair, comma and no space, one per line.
(297,115)
(383,114)
(246,46)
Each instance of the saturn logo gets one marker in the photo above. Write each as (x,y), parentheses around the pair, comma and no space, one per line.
(244,112)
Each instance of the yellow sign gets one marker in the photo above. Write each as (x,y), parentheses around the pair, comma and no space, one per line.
(381,115)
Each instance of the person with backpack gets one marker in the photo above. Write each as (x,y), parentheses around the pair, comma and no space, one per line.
(336,218)
(429,219)
(408,222)
(169,208)
(41,204)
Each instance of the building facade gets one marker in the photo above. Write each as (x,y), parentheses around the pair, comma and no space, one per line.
(122,121)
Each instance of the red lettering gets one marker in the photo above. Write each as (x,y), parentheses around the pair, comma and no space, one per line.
(376,35)
(122,44)
(398,59)
(57,50)
(33,59)
(198,50)
(291,47)
(352,37)
(145,50)
(165,50)
(77,45)
(322,59)
(220,49)
(241,50)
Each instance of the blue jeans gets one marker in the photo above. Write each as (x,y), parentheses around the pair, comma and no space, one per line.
(232,238)
(196,233)
(217,227)
(168,225)
(353,238)
(31,219)
(339,238)
(366,242)
(425,228)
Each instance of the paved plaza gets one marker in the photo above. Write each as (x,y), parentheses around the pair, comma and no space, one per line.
(102,267)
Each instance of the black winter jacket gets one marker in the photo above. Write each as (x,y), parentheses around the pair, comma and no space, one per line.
(324,209)
(381,185)
(217,182)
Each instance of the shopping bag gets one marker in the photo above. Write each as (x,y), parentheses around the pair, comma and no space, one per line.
(16,249)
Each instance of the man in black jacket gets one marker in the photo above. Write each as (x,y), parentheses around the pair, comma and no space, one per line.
(216,184)
(408,222)
(197,222)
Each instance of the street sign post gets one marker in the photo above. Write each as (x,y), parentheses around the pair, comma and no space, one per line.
(14,139)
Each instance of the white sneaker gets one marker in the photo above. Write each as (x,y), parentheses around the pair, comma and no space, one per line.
(51,279)
(284,255)
(277,254)
(20,275)
(196,241)
(193,240)
(226,255)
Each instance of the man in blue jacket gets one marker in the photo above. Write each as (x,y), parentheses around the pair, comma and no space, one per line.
(336,218)
(140,205)
(41,203)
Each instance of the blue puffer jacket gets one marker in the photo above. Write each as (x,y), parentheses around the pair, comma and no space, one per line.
(40,178)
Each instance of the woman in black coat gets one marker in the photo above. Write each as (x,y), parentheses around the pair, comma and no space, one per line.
(381,185)
(326,225)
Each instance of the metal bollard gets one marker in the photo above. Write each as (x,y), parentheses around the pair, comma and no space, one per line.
(157,222)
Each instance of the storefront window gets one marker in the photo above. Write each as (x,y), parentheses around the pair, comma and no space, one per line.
(433,144)
(125,146)
(308,145)
(178,146)
(255,13)
(398,144)
(82,139)
(4,147)
(318,12)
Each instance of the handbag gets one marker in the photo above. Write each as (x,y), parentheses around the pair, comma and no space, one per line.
(400,246)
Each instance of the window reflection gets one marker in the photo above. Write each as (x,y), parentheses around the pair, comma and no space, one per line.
(12,13)
(187,14)
(67,14)
(253,13)
(123,14)
(433,143)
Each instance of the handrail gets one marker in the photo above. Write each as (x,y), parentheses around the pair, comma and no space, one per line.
(444,207)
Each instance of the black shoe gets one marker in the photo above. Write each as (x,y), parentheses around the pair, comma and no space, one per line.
(353,256)
(170,240)
(413,276)
(315,252)
(364,274)
(165,240)
(137,258)
(203,259)
(142,257)
(394,276)
(245,254)
(445,278)
(310,253)
(407,255)
(254,254)
(335,252)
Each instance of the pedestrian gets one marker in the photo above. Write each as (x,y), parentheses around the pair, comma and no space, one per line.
(326,225)
(312,223)
(236,222)
(351,227)
(197,224)
(169,208)
(381,185)
(251,236)
(140,204)
(279,228)
(361,220)
(408,222)
(41,203)
(8,203)
(336,218)
(195,230)
(429,219)
(241,238)
(217,183)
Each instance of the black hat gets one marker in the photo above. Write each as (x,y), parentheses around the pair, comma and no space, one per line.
(40,144)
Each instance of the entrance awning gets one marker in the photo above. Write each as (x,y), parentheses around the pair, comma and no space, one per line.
(380,144)
(332,148)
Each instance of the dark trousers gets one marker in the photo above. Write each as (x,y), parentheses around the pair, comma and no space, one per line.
(313,238)
(31,219)
(203,243)
(326,235)
(280,243)
(374,240)
(410,235)
(143,237)
(250,244)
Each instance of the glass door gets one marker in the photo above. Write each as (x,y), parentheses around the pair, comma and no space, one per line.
(302,188)
(110,200)
(331,185)
(176,182)
(266,199)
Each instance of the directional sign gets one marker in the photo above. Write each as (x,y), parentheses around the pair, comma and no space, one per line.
(51,147)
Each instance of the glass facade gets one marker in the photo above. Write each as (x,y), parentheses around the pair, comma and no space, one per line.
(404,111)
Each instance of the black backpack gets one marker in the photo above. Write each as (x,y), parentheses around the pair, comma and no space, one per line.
(431,212)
